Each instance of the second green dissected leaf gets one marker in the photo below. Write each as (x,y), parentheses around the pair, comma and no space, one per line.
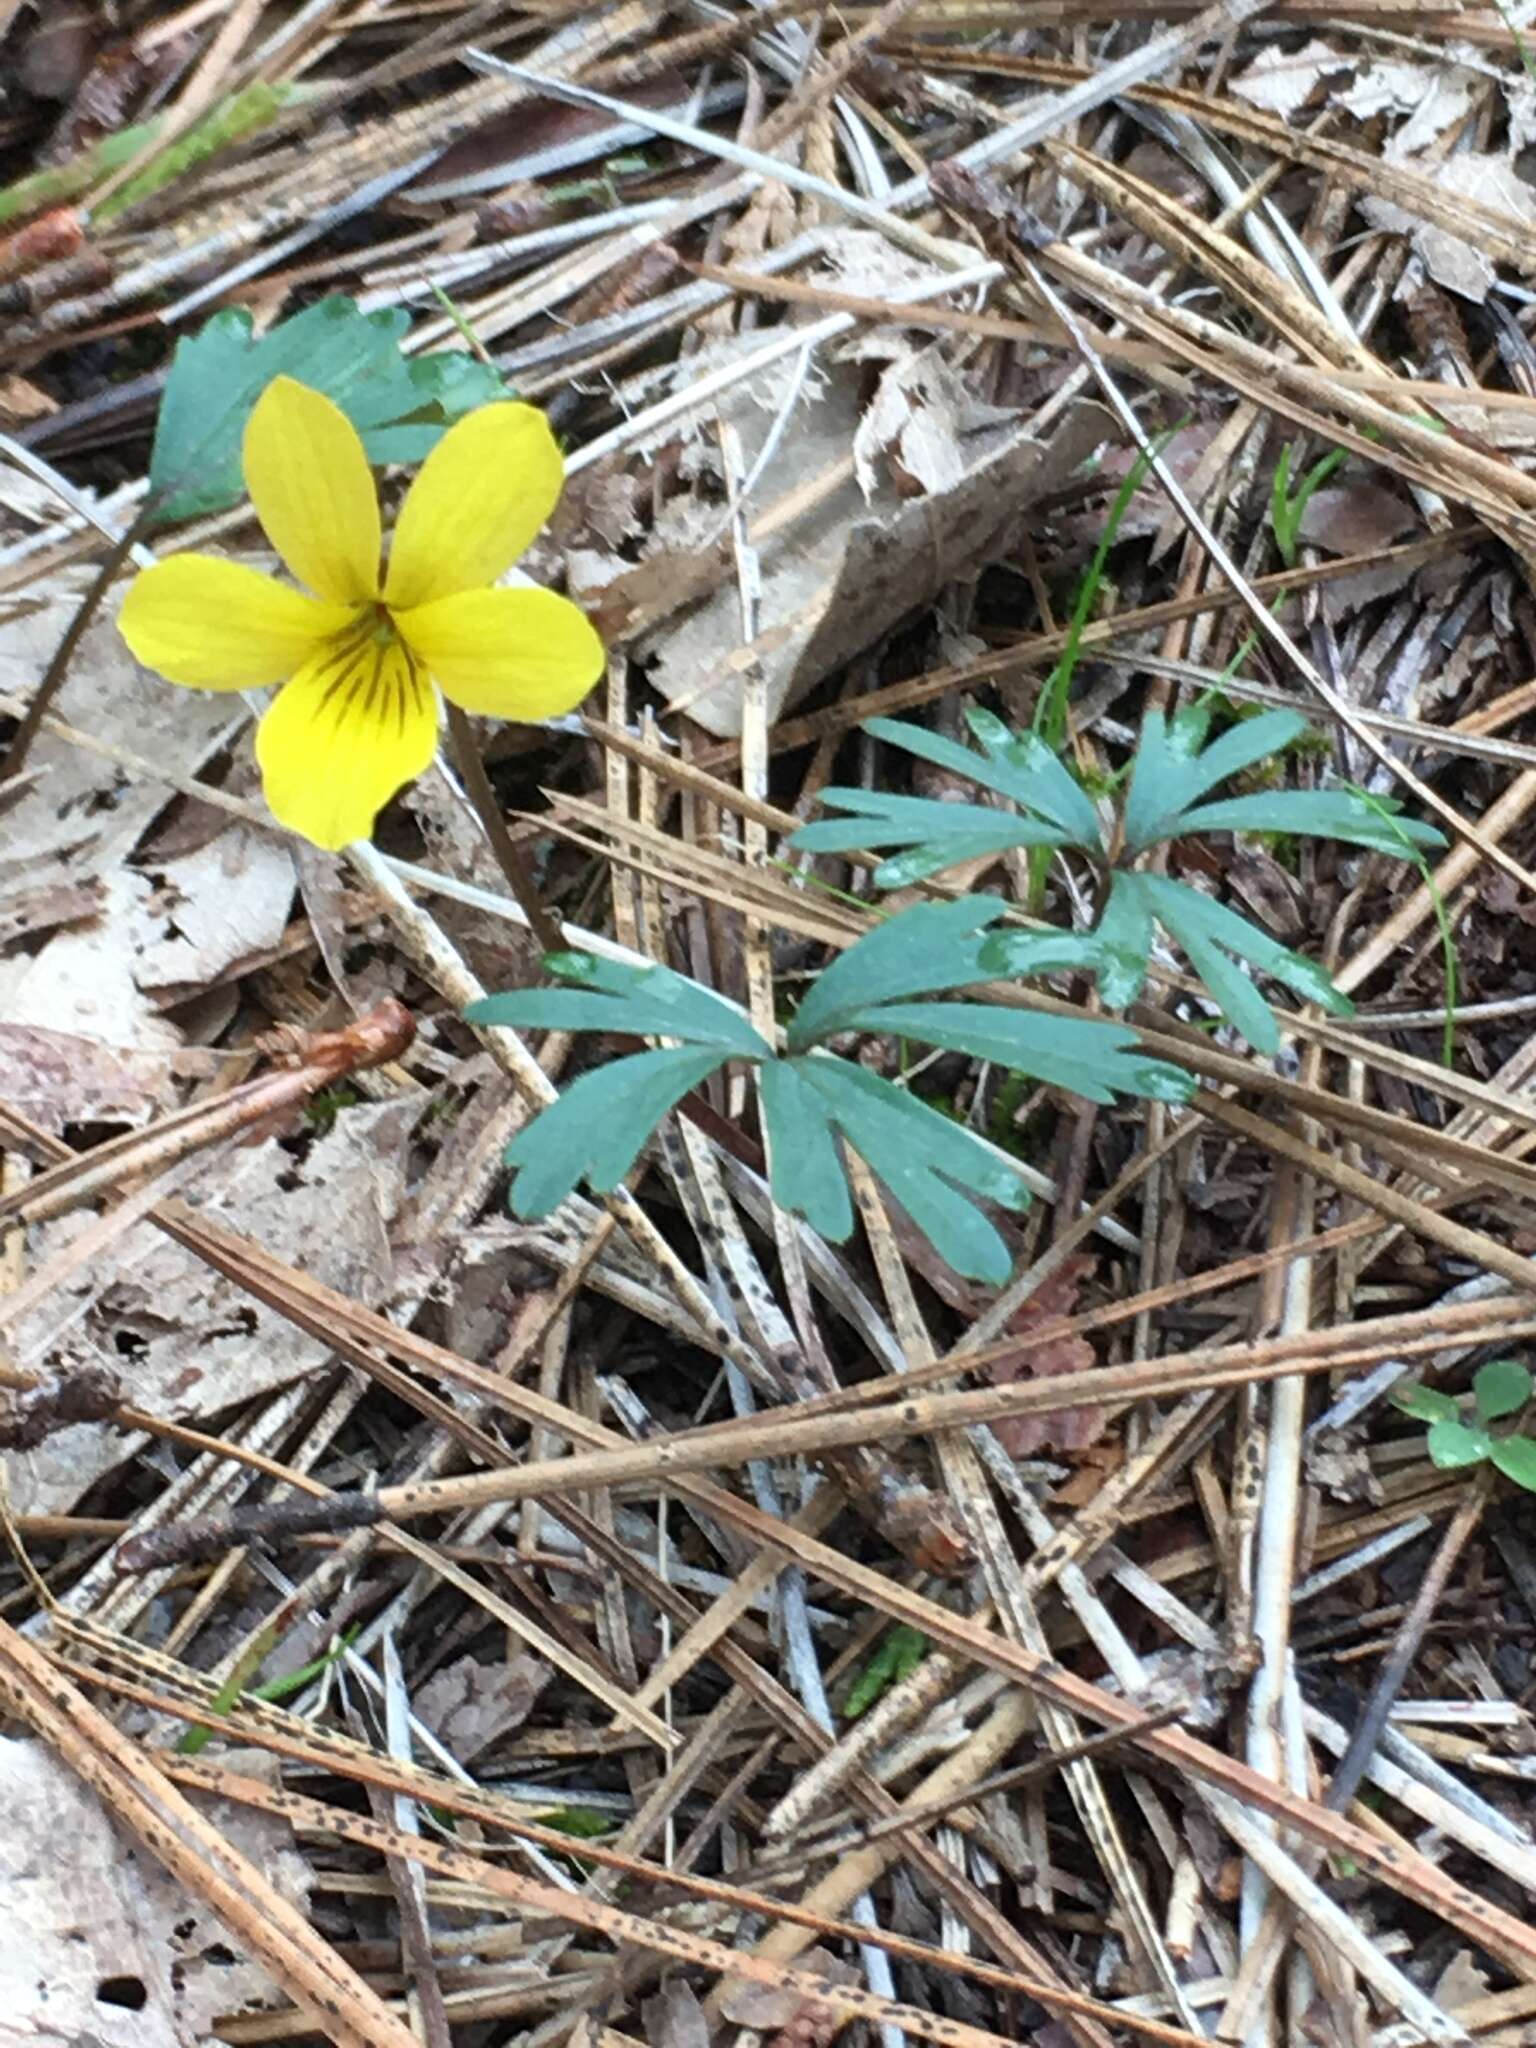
(921,1156)
(806,1166)
(1212,935)
(931,946)
(1315,814)
(1091,1059)
(1173,767)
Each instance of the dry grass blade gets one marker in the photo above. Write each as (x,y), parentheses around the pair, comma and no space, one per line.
(653,1934)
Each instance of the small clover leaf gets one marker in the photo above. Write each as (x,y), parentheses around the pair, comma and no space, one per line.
(1425,1404)
(1500,1388)
(1515,1457)
(1451,1444)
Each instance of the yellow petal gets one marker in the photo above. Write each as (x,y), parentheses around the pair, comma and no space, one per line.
(479,499)
(524,654)
(219,626)
(313,491)
(351,728)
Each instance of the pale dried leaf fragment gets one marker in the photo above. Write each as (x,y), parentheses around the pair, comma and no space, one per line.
(787,2019)
(1356,518)
(99,1947)
(85,979)
(837,571)
(674,2018)
(191,1343)
(1461,1983)
(44,906)
(216,908)
(57,1078)
(1459,265)
(1282,81)
(916,426)
(79,807)
(1432,96)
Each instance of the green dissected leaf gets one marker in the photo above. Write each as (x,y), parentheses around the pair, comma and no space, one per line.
(1016,765)
(1451,1444)
(1312,813)
(399,405)
(613,995)
(598,1125)
(1500,1387)
(939,835)
(806,1166)
(1209,933)
(917,1153)
(1236,996)
(929,947)
(1425,1404)
(1052,789)
(1172,769)
(1092,1059)
(1515,1457)
(897,1656)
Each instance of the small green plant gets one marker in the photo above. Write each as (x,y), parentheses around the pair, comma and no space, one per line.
(1501,1388)
(896,1656)
(1174,770)
(1050,720)
(323,1108)
(230,120)
(1286,511)
(234,1688)
(812,1097)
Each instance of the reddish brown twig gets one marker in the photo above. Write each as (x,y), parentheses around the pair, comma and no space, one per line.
(207,1535)
(313,1060)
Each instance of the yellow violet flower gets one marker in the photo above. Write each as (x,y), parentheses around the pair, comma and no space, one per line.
(357,716)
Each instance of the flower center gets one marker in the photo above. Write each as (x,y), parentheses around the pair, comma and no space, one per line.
(369,666)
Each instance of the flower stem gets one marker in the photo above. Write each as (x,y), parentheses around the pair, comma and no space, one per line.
(15,757)
(477,787)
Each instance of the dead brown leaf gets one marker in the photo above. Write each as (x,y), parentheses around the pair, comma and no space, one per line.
(1074,1429)
(470,1705)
